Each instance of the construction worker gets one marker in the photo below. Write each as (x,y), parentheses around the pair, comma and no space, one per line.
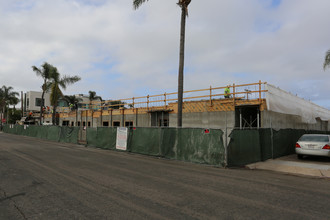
(227,92)
(71,106)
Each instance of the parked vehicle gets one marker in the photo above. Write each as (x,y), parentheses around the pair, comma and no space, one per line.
(314,145)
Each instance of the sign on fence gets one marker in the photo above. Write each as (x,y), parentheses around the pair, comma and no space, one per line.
(121,142)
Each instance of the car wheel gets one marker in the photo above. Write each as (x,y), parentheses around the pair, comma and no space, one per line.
(300,157)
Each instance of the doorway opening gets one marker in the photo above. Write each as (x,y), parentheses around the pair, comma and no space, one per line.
(247,116)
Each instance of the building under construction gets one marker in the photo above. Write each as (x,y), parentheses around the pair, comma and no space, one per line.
(256,105)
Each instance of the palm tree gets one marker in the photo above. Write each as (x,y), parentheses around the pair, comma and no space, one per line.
(92,97)
(326,63)
(45,74)
(56,82)
(184,13)
(74,100)
(7,97)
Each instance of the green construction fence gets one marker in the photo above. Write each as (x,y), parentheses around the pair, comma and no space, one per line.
(186,144)
(54,133)
(102,137)
(250,146)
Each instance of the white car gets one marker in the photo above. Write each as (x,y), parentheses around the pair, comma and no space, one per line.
(313,144)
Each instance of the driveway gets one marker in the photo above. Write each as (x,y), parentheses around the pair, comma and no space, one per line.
(309,166)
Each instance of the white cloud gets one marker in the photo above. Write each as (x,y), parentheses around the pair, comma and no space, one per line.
(121,52)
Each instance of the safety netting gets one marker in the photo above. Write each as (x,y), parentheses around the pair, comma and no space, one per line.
(284,102)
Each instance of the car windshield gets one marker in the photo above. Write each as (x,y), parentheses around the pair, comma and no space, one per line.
(315,138)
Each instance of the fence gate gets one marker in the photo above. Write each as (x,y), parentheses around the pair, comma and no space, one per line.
(82,136)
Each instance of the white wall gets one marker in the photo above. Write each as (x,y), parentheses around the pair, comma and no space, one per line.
(31,105)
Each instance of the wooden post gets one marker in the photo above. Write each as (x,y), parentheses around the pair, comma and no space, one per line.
(148,102)
(259,91)
(234,94)
(136,117)
(81,124)
(122,111)
(210,95)
(165,100)
(111,117)
(92,114)
(86,119)
(101,123)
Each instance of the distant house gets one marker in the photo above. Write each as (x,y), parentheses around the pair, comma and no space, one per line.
(32,101)
(83,100)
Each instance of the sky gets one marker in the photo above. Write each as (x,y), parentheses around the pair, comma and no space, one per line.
(120,52)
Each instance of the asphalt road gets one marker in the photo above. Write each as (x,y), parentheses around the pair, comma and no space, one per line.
(47,180)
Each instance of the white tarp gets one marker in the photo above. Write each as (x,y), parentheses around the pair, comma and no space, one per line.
(284,102)
(121,142)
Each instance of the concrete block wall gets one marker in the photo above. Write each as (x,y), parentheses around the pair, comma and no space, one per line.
(141,120)
(219,119)
(205,119)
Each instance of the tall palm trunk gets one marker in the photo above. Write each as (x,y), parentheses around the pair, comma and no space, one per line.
(42,99)
(41,106)
(181,65)
(76,116)
(54,115)
(7,113)
(3,113)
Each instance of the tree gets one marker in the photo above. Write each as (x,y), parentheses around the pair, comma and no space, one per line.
(56,83)
(7,97)
(14,115)
(184,13)
(92,97)
(326,63)
(117,104)
(45,74)
(74,100)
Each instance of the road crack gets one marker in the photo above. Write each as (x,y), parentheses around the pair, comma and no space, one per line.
(13,201)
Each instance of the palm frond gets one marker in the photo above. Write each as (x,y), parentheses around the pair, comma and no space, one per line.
(72,99)
(138,3)
(48,86)
(67,80)
(13,101)
(54,75)
(7,96)
(326,63)
(37,71)
(44,72)
(47,68)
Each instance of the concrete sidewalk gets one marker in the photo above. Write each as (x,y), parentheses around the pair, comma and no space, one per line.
(289,164)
